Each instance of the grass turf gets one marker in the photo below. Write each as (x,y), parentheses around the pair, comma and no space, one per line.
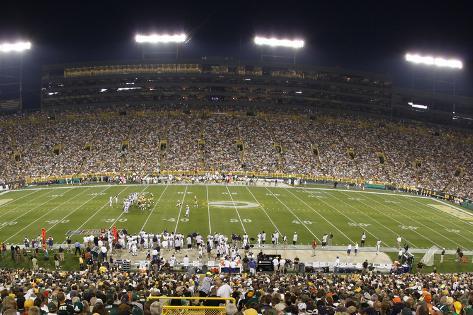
(310,212)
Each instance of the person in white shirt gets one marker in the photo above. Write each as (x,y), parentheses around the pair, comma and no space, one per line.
(356,249)
(172,261)
(282,265)
(185,262)
(337,264)
(324,240)
(349,249)
(363,239)
(398,240)
(110,201)
(378,246)
(294,238)
(224,290)
(275,264)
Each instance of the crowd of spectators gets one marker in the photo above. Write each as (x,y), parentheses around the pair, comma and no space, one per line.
(117,292)
(148,140)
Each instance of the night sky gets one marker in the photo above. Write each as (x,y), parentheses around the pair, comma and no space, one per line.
(360,35)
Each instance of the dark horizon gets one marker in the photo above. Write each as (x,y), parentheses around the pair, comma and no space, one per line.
(369,36)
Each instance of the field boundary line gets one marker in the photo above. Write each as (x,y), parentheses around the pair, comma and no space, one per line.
(67,215)
(419,222)
(119,217)
(362,192)
(264,210)
(97,211)
(323,217)
(293,214)
(17,206)
(62,203)
(180,209)
(375,220)
(208,208)
(234,206)
(152,210)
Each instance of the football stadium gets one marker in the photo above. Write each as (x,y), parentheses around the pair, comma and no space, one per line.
(170,181)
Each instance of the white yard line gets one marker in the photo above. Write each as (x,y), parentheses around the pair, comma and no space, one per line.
(208,208)
(412,218)
(264,210)
(152,210)
(437,213)
(373,219)
(180,210)
(320,215)
(350,219)
(116,220)
(22,214)
(72,212)
(97,211)
(238,213)
(295,216)
(399,222)
(45,214)
(18,206)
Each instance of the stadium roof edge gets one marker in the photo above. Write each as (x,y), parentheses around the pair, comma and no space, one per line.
(217,61)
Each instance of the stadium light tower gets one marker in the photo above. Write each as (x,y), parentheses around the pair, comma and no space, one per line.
(435,63)
(440,62)
(154,40)
(15,48)
(293,44)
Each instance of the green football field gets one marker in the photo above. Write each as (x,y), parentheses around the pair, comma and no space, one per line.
(310,212)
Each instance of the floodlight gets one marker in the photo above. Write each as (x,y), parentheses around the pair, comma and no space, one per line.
(434,61)
(14,47)
(276,42)
(160,38)
(413,105)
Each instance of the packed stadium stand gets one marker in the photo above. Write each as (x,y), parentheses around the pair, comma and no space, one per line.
(148,118)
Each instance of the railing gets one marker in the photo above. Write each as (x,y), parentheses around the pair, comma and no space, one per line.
(194,305)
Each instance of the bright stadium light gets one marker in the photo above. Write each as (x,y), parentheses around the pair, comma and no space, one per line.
(434,61)
(276,42)
(413,105)
(14,47)
(160,38)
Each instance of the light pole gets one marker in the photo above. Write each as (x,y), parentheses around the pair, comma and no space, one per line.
(273,42)
(18,48)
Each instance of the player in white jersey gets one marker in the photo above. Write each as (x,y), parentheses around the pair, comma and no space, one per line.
(324,240)
(399,240)
(116,199)
(110,201)
(196,203)
(188,211)
(356,249)
(378,246)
